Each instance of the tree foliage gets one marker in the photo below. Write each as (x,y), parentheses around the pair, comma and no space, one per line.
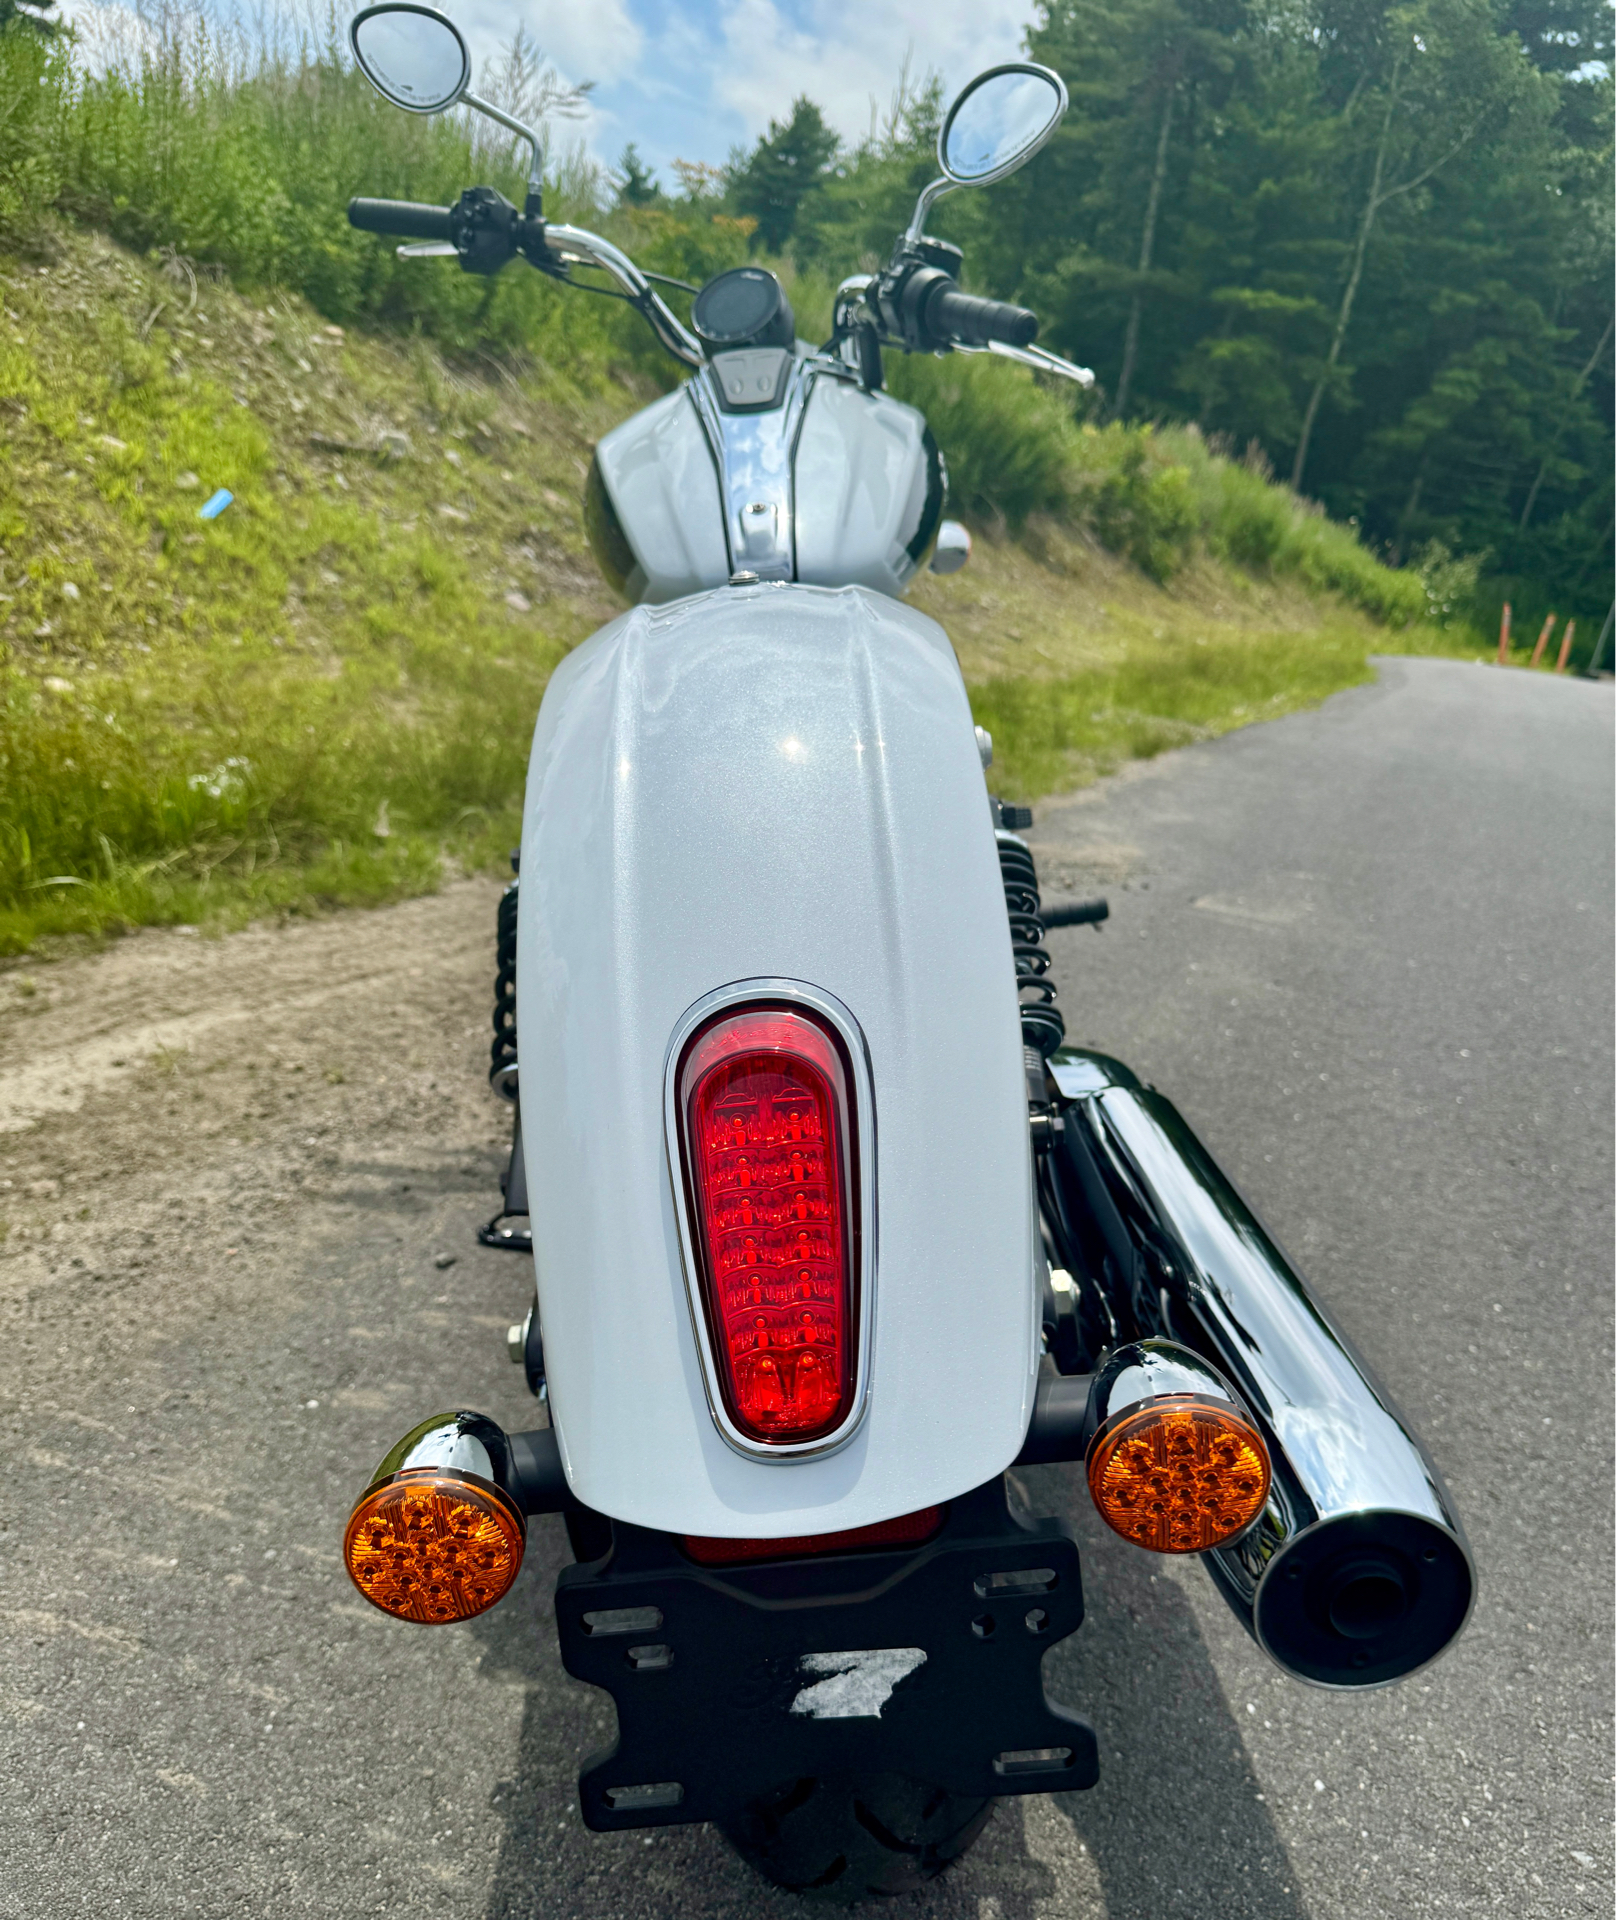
(1372,242)
(770,184)
(637,184)
(30,13)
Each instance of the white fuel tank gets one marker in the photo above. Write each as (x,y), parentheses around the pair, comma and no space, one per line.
(771,782)
(852,481)
(660,479)
(869,489)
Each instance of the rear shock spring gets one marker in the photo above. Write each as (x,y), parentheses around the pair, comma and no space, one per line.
(1041,1024)
(502,1067)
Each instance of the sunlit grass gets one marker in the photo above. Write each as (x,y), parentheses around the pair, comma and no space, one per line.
(1077,662)
(318,696)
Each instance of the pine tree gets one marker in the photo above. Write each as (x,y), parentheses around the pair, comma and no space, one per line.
(771,183)
(638,187)
(1146,77)
(1437,82)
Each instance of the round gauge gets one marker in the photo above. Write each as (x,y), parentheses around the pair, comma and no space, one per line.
(746,307)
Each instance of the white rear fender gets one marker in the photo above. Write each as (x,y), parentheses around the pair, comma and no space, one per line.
(775,782)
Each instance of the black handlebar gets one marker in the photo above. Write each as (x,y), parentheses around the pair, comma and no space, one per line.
(953,315)
(407,219)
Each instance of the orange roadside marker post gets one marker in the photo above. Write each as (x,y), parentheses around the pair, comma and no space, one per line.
(1565,647)
(1503,635)
(1543,639)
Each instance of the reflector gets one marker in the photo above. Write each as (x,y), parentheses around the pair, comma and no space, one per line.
(763,1099)
(1179,1474)
(907,1531)
(431,1546)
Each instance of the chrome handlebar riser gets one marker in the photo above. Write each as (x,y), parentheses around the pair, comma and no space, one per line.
(592,250)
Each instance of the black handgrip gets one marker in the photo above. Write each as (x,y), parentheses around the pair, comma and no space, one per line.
(1080,913)
(409,219)
(953,315)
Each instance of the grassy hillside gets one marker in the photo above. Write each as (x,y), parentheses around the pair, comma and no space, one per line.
(327,693)
(316,695)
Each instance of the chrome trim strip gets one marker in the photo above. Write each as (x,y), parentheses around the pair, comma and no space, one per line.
(755,456)
(828,1007)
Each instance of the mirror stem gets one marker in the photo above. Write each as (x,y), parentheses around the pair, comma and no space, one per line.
(928,199)
(535,177)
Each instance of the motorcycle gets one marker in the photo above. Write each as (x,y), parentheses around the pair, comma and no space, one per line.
(831,1228)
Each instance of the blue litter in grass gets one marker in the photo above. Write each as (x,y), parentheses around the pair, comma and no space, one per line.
(216,505)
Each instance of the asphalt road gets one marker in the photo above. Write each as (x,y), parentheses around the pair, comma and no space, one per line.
(1367,950)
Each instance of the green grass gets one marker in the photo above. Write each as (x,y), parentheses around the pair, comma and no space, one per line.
(326,696)
(317,696)
(1076,661)
(1060,733)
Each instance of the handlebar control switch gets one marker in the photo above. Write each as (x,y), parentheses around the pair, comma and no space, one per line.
(941,254)
(928,311)
(484,225)
(904,304)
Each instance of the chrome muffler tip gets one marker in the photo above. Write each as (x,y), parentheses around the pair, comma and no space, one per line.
(1359,1600)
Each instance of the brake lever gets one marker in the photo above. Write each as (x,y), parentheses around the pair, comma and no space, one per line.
(1035,357)
(428,250)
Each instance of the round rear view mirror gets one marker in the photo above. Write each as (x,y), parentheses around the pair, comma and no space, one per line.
(412,55)
(999,122)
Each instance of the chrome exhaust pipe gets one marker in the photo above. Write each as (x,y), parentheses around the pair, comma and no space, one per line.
(1357,1571)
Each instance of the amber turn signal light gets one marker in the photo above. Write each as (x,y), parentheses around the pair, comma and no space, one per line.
(1179,1474)
(432,1546)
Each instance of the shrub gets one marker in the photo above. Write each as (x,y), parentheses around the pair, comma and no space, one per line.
(1250,522)
(33,71)
(1137,502)
(1450,581)
(1008,443)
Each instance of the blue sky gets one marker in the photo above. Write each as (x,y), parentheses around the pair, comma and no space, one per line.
(691,80)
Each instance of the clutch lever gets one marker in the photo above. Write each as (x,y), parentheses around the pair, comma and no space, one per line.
(428,250)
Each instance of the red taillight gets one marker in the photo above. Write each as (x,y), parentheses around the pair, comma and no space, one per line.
(771,1168)
(910,1530)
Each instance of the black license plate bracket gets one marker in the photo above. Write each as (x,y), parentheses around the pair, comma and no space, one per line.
(925,1663)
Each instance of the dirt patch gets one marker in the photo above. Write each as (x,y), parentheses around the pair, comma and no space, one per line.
(174,1110)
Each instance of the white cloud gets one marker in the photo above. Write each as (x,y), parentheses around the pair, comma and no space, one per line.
(711,74)
(846,54)
(588,42)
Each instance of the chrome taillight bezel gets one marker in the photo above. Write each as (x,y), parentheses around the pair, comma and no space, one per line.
(860,1149)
